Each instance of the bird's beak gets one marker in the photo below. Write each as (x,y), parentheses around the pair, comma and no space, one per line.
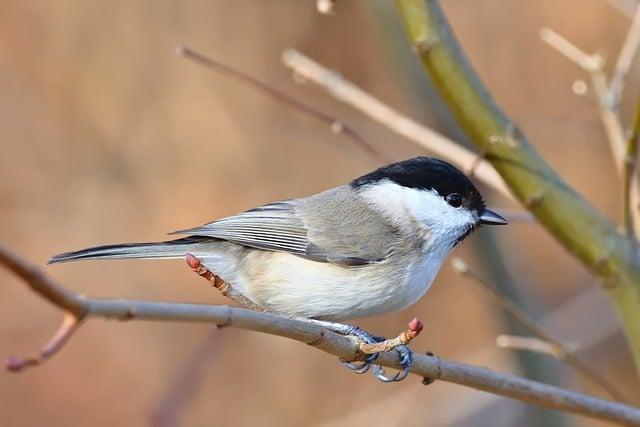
(489,217)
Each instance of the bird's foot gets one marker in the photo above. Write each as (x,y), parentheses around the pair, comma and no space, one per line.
(202,271)
(372,346)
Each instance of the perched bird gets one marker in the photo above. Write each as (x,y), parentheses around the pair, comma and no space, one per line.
(365,248)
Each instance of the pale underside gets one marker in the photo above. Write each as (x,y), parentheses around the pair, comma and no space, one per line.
(329,256)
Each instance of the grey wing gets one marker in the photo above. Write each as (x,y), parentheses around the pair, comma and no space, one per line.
(327,235)
(274,227)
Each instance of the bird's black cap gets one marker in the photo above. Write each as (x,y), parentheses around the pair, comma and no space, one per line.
(426,173)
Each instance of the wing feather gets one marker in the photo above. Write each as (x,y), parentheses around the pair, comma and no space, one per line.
(274,227)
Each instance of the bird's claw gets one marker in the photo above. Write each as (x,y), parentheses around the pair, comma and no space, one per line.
(406,360)
(373,346)
(364,336)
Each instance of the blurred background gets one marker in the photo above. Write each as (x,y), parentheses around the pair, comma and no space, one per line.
(109,136)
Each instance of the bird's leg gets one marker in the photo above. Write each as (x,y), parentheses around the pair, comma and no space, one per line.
(372,346)
(202,271)
(217,282)
(368,344)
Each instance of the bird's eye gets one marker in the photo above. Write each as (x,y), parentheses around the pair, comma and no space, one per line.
(454,199)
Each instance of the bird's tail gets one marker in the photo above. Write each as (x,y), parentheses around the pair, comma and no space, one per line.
(170,249)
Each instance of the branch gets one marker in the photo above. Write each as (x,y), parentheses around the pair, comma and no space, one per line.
(426,138)
(545,343)
(334,124)
(580,228)
(426,366)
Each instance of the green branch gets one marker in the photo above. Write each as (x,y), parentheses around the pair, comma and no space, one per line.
(580,228)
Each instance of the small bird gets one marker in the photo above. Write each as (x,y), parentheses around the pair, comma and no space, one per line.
(369,247)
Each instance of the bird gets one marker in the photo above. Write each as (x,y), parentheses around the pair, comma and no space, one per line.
(365,248)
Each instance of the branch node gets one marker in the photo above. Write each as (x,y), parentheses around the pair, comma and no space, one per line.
(424,46)
(534,200)
(318,340)
(430,380)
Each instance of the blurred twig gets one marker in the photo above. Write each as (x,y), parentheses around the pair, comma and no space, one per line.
(334,124)
(630,160)
(532,344)
(609,95)
(629,50)
(553,346)
(628,7)
(168,410)
(594,65)
(426,138)
(316,336)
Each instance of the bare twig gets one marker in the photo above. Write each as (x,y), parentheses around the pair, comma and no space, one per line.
(629,49)
(426,138)
(555,347)
(335,125)
(532,344)
(628,7)
(594,65)
(426,366)
(70,324)
(585,61)
(168,411)
(630,159)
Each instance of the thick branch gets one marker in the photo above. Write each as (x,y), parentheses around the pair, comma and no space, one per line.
(580,228)
(426,366)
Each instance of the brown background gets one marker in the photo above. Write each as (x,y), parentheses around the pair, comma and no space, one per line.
(108,136)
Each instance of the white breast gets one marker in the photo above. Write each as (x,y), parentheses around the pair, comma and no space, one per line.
(289,284)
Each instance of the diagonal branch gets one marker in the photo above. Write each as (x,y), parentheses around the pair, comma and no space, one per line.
(577,225)
(594,65)
(426,366)
(426,138)
(545,343)
(629,49)
(334,124)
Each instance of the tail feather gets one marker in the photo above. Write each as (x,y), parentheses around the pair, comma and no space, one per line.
(169,249)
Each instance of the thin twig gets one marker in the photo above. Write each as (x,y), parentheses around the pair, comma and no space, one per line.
(426,366)
(594,65)
(70,324)
(628,7)
(560,350)
(629,49)
(630,160)
(171,407)
(584,60)
(532,344)
(609,96)
(334,124)
(426,138)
